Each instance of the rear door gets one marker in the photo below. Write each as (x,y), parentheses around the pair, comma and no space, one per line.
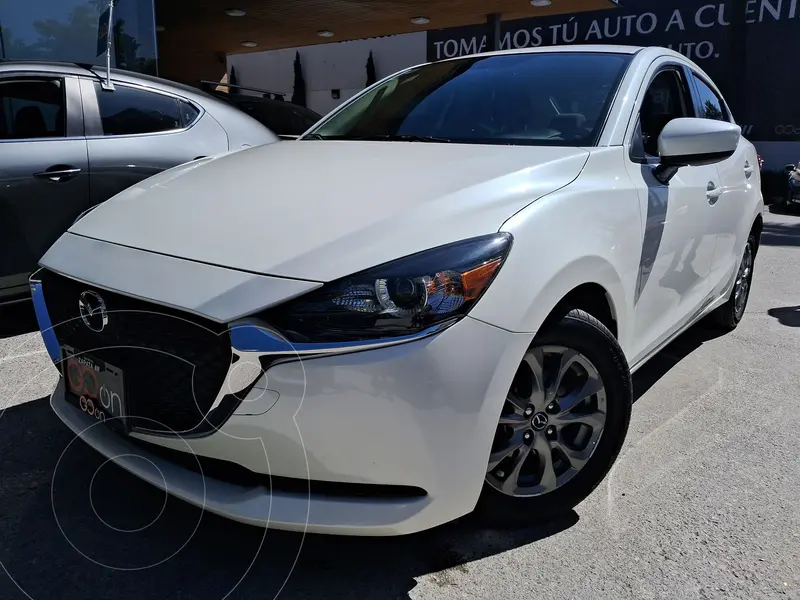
(135,132)
(44,172)
(731,213)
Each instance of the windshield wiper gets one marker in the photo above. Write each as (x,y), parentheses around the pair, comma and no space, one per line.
(404,138)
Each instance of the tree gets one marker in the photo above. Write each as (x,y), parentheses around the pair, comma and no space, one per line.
(712,111)
(75,39)
(371,76)
(232,80)
(299,96)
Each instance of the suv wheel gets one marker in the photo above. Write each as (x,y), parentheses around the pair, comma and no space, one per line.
(563,423)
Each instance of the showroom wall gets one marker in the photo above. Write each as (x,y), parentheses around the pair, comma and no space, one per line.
(328,68)
(66,30)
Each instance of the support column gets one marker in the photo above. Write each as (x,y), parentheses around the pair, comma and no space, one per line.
(493,36)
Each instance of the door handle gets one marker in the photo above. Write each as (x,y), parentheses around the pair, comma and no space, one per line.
(58,174)
(713,192)
(748,170)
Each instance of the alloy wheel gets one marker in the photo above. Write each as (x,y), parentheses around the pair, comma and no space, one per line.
(741,288)
(552,421)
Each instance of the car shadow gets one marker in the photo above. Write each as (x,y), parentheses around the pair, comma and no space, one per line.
(781,234)
(17,319)
(668,358)
(77,526)
(786,315)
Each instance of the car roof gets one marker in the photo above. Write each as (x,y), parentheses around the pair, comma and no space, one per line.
(117,75)
(597,48)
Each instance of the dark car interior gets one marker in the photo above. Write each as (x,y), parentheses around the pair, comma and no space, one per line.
(31,109)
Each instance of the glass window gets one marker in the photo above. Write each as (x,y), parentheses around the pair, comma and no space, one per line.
(666,98)
(131,111)
(711,105)
(31,108)
(189,113)
(555,98)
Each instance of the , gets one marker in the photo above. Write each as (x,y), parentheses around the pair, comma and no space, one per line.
(428,305)
(66,145)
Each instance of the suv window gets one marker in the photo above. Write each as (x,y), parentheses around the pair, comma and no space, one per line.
(131,111)
(711,105)
(31,108)
(667,98)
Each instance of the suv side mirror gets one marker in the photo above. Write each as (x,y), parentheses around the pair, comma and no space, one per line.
(789,168)
(693,142)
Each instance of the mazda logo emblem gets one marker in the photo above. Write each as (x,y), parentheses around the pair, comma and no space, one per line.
(93,311)
(539,421)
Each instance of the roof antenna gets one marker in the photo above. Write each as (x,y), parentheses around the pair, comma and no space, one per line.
(107,19)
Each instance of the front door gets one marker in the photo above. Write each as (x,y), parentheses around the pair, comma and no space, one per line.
(678,246)
(44,171)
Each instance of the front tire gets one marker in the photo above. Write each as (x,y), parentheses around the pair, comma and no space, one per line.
(562,426)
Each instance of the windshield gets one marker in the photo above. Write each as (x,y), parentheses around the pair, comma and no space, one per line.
(548,98)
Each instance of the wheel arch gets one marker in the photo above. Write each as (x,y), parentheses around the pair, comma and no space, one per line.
(757,229)
(590,297)
(602,295)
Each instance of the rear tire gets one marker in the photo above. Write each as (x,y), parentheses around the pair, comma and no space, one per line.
(728,316)
(563,424)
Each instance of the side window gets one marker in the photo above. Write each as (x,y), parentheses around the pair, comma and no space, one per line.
(131,111)
(32,108)
(711,105)
(189,113)
(667,98)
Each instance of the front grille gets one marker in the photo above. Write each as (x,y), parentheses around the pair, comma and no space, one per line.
(174,364)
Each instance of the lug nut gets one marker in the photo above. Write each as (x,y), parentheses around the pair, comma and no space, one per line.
(500,473)
(529,412)
(528,436)
(552,407)
(551,431)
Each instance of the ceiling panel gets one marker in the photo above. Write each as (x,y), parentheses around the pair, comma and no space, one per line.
(201,26)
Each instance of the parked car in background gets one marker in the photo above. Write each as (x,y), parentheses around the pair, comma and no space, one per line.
(429,304)
(66,145)
(269,108)
(793,185)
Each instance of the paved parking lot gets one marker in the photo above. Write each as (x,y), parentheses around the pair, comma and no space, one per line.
(703,503)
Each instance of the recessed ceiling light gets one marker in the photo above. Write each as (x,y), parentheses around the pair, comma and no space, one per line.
(325,33)
(420,20)
(249,44)
(234,12)
(541,3)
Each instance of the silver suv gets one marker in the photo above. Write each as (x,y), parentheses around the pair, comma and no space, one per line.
(67,144)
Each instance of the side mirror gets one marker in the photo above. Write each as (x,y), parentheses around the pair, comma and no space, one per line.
(789,168)
(693,142)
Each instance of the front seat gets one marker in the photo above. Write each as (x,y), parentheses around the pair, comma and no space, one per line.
(29,123)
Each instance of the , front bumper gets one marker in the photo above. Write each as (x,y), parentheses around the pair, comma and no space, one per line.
(386,439)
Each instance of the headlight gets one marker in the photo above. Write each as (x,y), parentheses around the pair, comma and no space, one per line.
(397,298)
